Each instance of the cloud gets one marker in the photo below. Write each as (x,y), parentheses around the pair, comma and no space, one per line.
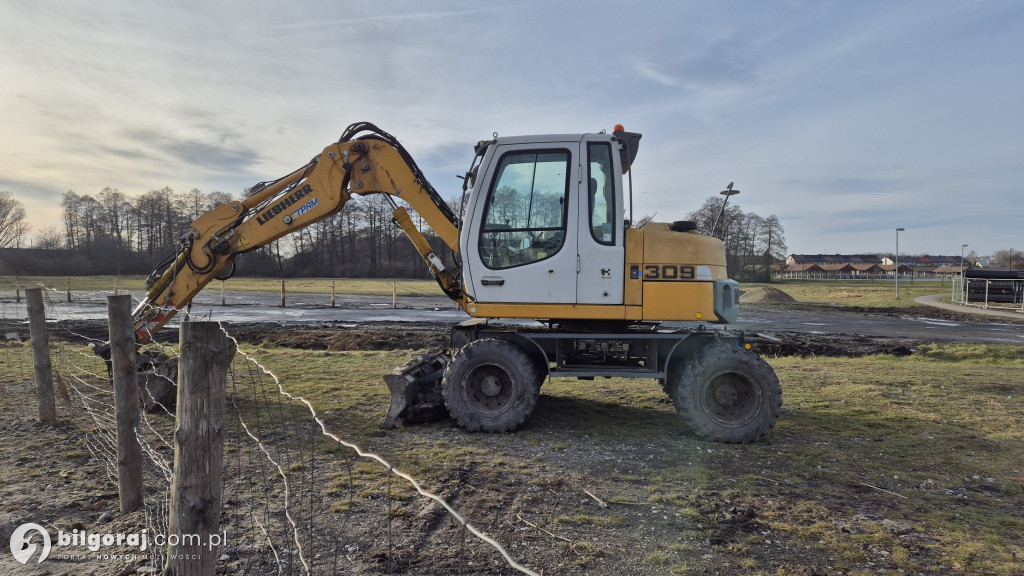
(29,190)
(652,72)
(223,157)
(376,23)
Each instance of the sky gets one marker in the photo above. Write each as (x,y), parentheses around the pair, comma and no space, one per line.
(846,120)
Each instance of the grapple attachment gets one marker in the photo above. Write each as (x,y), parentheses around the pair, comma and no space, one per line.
(416,390)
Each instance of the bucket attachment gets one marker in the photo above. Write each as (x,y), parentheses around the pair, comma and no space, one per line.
(416,390)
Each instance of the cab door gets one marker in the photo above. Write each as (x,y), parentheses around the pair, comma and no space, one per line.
(600,235)
(520,243)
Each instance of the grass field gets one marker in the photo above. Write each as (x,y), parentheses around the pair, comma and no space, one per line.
(911,464)
(871,294)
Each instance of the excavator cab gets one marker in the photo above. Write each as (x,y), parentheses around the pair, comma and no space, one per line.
(544,224)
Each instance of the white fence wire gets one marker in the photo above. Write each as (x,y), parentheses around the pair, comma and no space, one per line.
(277,467)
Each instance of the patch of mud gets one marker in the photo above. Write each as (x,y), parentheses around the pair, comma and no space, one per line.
(369,336)
(836,345)
(765,295)
(375,336)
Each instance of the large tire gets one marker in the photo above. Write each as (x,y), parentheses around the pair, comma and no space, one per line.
(490,385)
(726,394)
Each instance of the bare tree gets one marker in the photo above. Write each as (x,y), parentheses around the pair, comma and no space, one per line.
(71,203)
(775,247)
(12,221)
(1011,258)
(750,240)
(195,202)
(114,212)
(49,238)
(217,198)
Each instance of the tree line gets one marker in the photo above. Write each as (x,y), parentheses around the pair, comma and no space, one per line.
(114,233)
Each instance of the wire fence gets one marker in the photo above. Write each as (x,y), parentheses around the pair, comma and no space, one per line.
(298,497)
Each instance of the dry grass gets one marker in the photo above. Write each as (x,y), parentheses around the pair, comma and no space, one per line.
(908,464)
(875,294)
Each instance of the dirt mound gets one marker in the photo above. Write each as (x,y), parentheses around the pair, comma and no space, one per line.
(765,295)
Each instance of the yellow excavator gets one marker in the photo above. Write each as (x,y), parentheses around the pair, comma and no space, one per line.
(544,237)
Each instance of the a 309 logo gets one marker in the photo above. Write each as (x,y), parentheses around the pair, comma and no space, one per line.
(22,547)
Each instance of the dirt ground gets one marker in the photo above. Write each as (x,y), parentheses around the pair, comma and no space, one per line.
(48,477)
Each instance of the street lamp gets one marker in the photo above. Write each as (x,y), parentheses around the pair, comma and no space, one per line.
(897,271)
(727,192)
(962,246)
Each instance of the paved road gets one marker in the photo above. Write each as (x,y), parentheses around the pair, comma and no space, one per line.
(935,301)
(249,307)
(915,324)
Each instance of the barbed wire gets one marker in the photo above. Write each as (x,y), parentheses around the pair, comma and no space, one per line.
(387,465)
(85,386)
(275,467)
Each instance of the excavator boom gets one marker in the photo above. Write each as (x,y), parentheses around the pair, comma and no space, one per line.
(374,163)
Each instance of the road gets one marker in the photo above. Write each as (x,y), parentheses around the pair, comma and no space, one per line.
(922,324)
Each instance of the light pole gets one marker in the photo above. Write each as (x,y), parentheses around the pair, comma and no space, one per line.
(962,246)
(897,271)
(727,192)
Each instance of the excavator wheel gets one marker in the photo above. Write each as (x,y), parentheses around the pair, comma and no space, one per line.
(490,385)
(726,393)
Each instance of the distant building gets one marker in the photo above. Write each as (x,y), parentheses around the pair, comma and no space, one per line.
(925,262)
(984,263)
(864,266)
(826,259)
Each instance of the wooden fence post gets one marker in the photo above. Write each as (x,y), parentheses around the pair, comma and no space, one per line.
(69,289)
(332,293)
(126,401)
(282,293)
(394,295)
(195,504)
(17,291)
(41,356)
(222,299)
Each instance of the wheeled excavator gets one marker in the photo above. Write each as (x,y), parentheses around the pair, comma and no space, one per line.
(544,244)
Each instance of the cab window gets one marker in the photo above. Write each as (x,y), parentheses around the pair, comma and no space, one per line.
(525,216)
(601,193)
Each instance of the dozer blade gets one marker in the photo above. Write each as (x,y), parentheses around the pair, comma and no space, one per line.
(416,390)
